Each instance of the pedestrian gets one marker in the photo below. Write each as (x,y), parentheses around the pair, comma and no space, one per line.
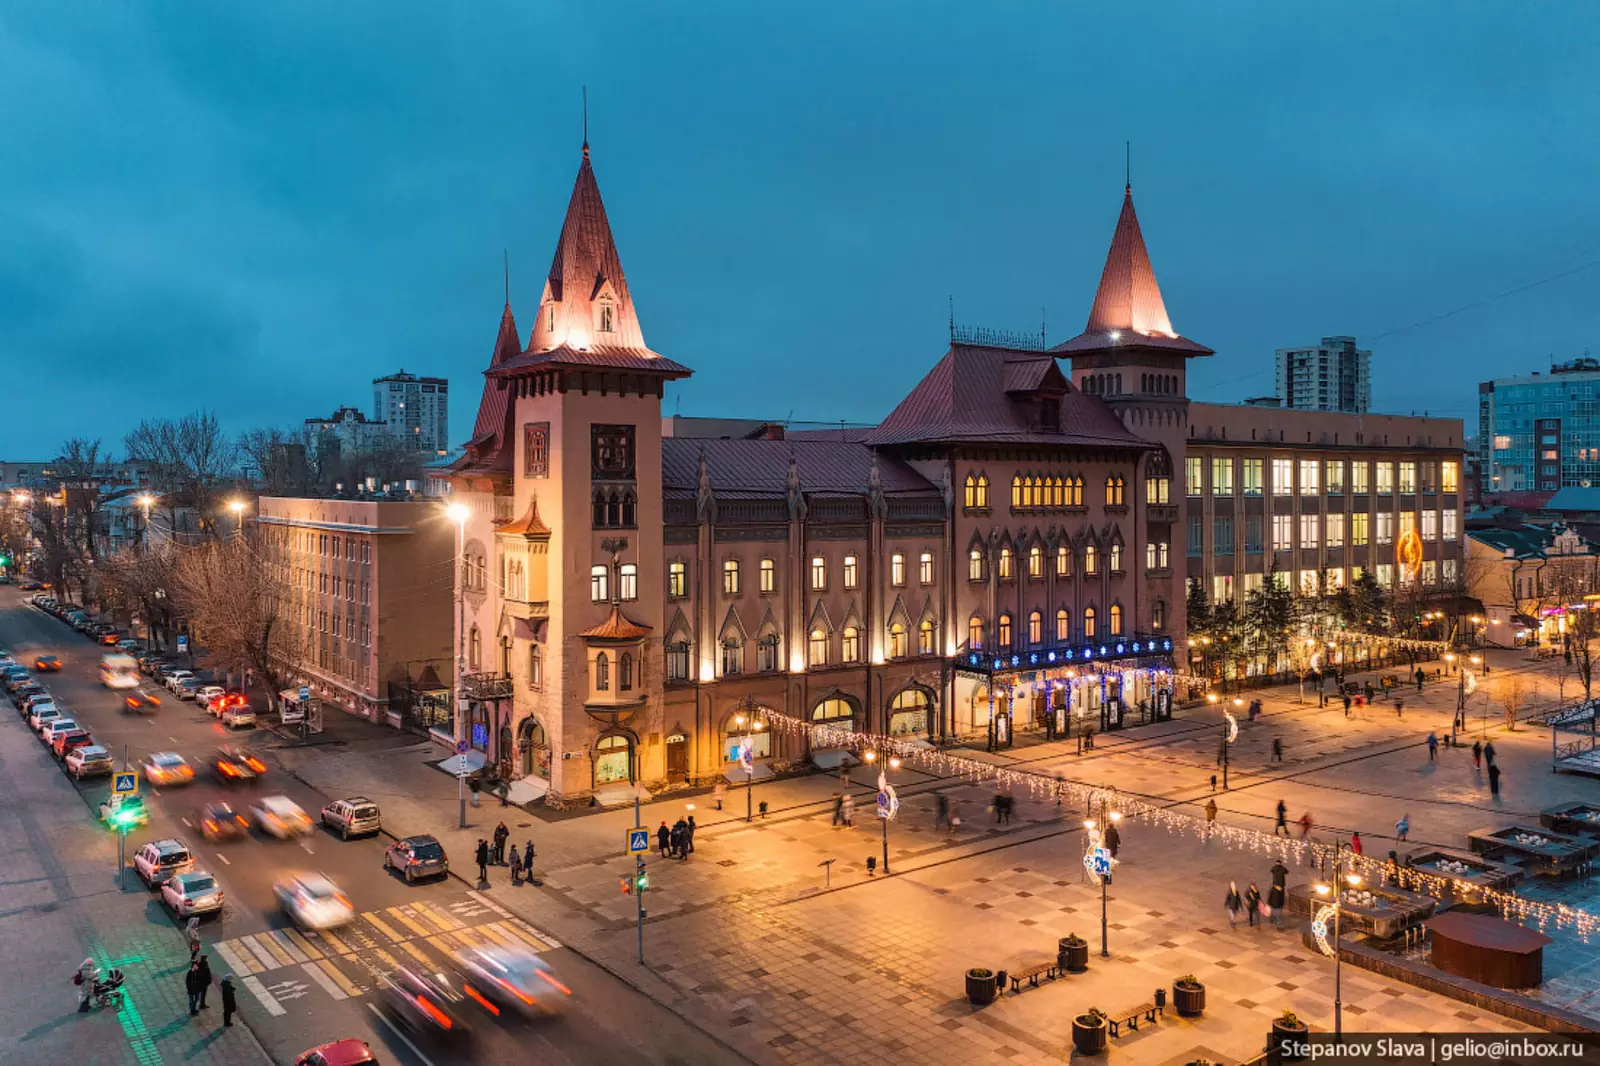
(473,786)
(1488,753)
(955,814)
(1213,782)
(1494,780)
(688,835)
(761,808)
(192,985)
(482,857)
(1402,827)
(1252,904)
(1211,817)
(999,808)
(1369,691)
(1420,676)
(1061,787)
(230,1002)
(527,860)
(1113,839)
(1277,749)
(85,977)
(1305,825)
(1283,822)
(1355,843)
(941,810)
(1477,755)
(1231,903)
(717,792)
(500,835)
(848,811)
(205,978)
(1347,705)
(516,865)
(1391,870)
(680,838)
(191,933)
(1433,746)
(1399,707)
(1275,895)
(663,837)
(838,807)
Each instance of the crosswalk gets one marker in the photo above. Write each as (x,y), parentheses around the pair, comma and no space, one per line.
(280,966)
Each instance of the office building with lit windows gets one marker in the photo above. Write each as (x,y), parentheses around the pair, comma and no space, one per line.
(1332,376)
(1540,433)
(416,411)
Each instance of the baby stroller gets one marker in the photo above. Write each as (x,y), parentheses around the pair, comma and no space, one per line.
(108,992)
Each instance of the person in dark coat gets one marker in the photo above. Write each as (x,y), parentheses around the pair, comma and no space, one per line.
(1113,839)
(1494,780)
(1276,894)
(1283,819)
(688,835)
(482,857)
(1477,755)
(680,839)
(501,833)
(194,985)
(516,865)
(205,977)
(1252,903)
(663,837)
(1488,753)
(230,1004)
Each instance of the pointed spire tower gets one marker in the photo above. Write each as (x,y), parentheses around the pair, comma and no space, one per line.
(492,432)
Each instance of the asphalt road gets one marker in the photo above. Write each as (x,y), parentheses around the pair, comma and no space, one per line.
(301,989)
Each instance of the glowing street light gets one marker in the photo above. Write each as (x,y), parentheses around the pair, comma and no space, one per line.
(237,507)
(459,513)
(1319,926)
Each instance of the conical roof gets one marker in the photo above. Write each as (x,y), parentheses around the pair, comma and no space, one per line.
(492,430)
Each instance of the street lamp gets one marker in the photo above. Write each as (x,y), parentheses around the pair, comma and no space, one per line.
(459,513)
(237,507)
(145,502)
(747,757)
(1335,888)
(1096,843)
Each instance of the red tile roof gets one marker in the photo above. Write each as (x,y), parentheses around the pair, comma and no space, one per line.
(601,355)
(492,431)
(530,524)
(617,626)
(964,398)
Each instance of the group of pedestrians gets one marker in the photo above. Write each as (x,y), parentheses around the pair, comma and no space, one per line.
(844,810)
(492,852)
(1253,906)
(676,842)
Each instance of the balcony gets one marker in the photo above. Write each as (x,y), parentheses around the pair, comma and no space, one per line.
(528,610)
(1161,512)
(486,687)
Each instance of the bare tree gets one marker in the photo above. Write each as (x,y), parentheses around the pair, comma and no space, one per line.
(78,470)
(143,582)
(1516,696)
(191,459)
(241,612)
(59,558)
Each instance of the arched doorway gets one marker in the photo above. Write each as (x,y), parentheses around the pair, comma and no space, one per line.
(836,710)
(677,757)
(534,748)
(910,712)
(613,759)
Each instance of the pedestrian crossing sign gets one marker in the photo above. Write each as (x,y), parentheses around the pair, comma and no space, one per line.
(638,841)
(125,783)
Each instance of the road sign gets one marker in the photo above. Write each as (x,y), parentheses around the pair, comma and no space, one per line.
(747,760)
(638,841)
(305,693)
(183,642)
(1100,861)
(125,783)
(462,747)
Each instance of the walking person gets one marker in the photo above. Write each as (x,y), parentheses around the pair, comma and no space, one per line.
(838,808)
(663,838)
(205,978)
(193,986)
(1211,818)
(1277,749)
(1399,707)
(1276,894)
(516,865)
(1488,753)
(1252,904)
(941,810)
(1355,843)
(717,793)
(1113,839)
(1305,825)
(848,810)
(482,858)
(473,785)
(1420,676)
(85,977)
(191,933)
(1433,747)
(688,835)
(1283,819)
(1231,903)
(230,1001)
(1477,755)
(999,808)
(1347,705)
(1402,827)
(1494,780)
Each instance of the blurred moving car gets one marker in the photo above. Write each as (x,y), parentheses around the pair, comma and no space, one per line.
(219,821)
(160,859)
(143,701)
(47,663)
(351,1052)
(167,768)
(510,979)
(237,765)
(352,816)
(424,1004)
(312,901)
(194,892)
(418,856)
(91,760)
(110,637)
(281,817)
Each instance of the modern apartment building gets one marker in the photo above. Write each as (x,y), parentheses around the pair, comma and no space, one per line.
(368,584)
(1332,376)
(1540,433)
(1321,496)
(416,409)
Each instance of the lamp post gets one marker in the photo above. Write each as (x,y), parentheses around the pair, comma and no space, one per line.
(459,513)
(886,805)
(1096,843)
(145,501)
(747,719)
(237,507)
(1336,890)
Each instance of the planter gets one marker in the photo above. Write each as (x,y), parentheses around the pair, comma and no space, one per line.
(980,986)
(1089,1033)
(1188,998)
(1295,1030)
(1072,954)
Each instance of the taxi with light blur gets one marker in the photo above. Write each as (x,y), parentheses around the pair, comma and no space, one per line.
(313,901)
(167,768)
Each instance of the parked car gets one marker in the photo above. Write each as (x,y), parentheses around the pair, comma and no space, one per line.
(281,817)
(206,692)
(351,1052)
(110,637)
(128,644)
(60,724)
(238,716)
(191,893)
(173,679)
(61,743)
(167,768)
(219,821)
(186,688)
(91,760)
(160,859)
(352,817)
(41,713)
(26,692)
(418,856)
(312,901)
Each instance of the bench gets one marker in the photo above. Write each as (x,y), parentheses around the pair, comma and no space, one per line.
(1131,1018)
(1047,970)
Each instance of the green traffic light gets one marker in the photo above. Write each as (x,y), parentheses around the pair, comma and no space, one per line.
(643,882)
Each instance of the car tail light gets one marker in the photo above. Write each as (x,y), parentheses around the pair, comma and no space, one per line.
(229,769)
(257,765)
(342,899)
(550,980)
(211,825)
(515,991)
(475,994)
(435,1013)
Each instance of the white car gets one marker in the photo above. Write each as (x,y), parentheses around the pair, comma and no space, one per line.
(160,859)
(195,892)
(238,715)
(313,902)
(176,676)
(281,817)
(42,712)
(48,731)
(87,760)
(204,694)
(516,979)
(167,768)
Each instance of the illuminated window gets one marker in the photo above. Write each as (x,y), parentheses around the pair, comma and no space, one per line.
(975,632)
(1003,631)
(677,581)
(897,569)
(1194,476)
(1116,620)
(1358,476)
(1430,525)
(850,640)
(1019,496)
(983,491)
(1036,561)
(852,572)
(1283,477)
(1358,529)
(1449,524)
(1116,557)
(1088,623)
(1335,528)
(1309,481)
(730,578)
(732,657)
(819,573)
(1091,559)
(1063,625)
(925,568)
(975,565)
(628,581)
(1282,532)
(899,641)
(1005,564)
(1309,531)
(1449,477)
(1252,476)
(599,583)
(1158,614)
(769,575)
(925,639)
(1385,479)
(1385,530)
(818,648)
(1333,470)
(1408,477)
(767,654)
(1035,628)
(1113,491)
(1222,476)
(1076,486)
(602,673)
(606,322)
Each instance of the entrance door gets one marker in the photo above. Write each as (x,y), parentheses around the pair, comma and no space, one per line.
(677,758)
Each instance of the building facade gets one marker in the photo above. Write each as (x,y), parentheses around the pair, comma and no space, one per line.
(1321,497)
(368,584)
(1332,376)
(995,555)
(1530,578)
(1540,432)
(415,409)
(355,433)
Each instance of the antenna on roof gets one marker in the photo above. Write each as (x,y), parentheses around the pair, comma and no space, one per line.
(1043,321)
(952,318)
(506,256)
(586,122)
(1127,163)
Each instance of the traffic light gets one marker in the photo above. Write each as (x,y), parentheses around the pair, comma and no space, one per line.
(642,881)
(626,884)
(124,819)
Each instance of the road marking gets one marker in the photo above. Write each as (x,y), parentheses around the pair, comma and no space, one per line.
(223,859)
(339,946)
(322,979)
(444,921)
(273,1007)
(387,1024)
(415,952)
(388,959)
(303,944)
(491,904)
(416,927)
(350,987)
(235,963)
(382,926)
(540,933)
(186,823)
(500,936)
(286,944)
(266,952)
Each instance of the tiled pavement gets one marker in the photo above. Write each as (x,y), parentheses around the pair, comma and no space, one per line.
(742,940)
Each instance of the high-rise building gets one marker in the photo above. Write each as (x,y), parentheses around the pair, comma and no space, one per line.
(1332,376)
(417,410)
(1538,433)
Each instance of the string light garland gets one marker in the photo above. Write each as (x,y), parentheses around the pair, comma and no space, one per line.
(1093,797)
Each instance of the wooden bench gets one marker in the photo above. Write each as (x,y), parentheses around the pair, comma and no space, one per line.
(1047,970)
(1131,1018)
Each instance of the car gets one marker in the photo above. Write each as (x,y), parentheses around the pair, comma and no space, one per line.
(418,856)
(16,677)
(163,669)
(160,859)
(186,688)
(111,637)
(352,816)
(219,821)
(350,1052)
(281,817)
(238,716)
(33,699)
(204,695)
(173,679)
(428,1004)
(124,812)
(193,892)
(142,701)
(42,713)
(503,978)
(29,586)
(91,760)
(313,901)
(237,765)
(61,743)
(128,644)
(167,768)
(47,663)
(62,724)
(20,697)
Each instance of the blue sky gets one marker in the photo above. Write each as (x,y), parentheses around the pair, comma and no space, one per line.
(259,208)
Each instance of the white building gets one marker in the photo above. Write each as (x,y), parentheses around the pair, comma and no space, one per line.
(352,429)
(416,409)
(1332,376)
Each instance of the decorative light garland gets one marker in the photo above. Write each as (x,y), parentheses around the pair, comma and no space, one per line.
(1296,852)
